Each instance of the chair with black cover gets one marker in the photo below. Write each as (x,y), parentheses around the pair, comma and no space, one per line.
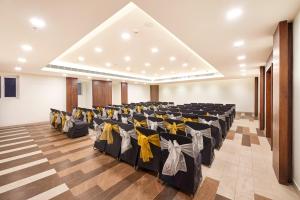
(140,120)
(90,117)
(214,121)
(216,131)
(203,141)
(174,126)
(98,127)
(189,117)
(200,112)
(180,165)
(129,146)
(148,113)
(222,120)
(111,135)
(150,153)
(156,124)
(174,115)
(73,127)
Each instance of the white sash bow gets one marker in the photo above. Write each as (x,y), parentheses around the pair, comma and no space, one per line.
(124,120)
(51,117)
(84,116)
(154,125)
(98,129)
(175,161)
(126,142)
(214,123)
(104,115)
(197,137)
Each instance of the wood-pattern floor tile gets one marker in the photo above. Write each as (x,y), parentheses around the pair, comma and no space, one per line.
(208,189)
(230,135)
(246,140)
(260,197)
(254,139)
(166,193)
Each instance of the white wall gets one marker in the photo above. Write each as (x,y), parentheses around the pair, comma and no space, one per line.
(138,93)
(296,100)
(37,94)
(116,93)
(236,91)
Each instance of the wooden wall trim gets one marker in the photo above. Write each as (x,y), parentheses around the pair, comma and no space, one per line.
(154,92)
(256,97)
(269,104)
(282,103)
(124,93)
(71,93)
(102,92)
(262,98)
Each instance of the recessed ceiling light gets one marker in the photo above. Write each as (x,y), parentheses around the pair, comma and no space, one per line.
(125,36)
(81,59)
(233,13)
(108,64)
(162,68)
(26,47)
(128,68)
(242,57)
(37,23)
(147,64)
(194,68)
(244,74)
(98,49)
(184,65)
(172,58)
(127,58)
(243,65)
(154,50)
(238,43)
(143,72)
(22,60)
(18,68)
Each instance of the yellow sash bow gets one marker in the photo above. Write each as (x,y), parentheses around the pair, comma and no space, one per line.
(63,121)
(53,122)
(144,143)
(89,115)
(184,119)
(99,109)
(174,127)
(142,123)
(126,110)
(110,112)
(161,116)
(107,132)
(139,109)
(78,114)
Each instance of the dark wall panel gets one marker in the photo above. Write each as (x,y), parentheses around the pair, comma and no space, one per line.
(282,103)
(256,97)
(262,98)
(124,93)
(154,92)
(71,93)
(102,93)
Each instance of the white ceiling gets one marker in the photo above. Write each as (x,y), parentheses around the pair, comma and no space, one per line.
(199,24)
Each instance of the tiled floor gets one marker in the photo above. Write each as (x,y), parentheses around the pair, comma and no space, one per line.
(39,163)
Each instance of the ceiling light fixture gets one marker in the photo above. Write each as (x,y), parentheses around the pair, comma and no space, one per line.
(125,36)
(154,50)
(233,13)
(26,47)
(242,65)
(127,58)
(184,65)
(128,68)
(22,60)
(18,68)
(242,57)
(172,58)
(37,23)
(147,64)
(162,68)
(81,59)
(98,50)
(238,43)
(89,77)
(108,64)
